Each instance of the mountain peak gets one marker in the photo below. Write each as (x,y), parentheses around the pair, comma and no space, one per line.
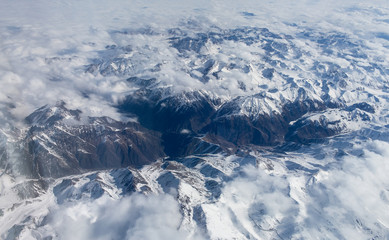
(48,115)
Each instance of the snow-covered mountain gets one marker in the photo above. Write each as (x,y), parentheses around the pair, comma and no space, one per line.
(201,129)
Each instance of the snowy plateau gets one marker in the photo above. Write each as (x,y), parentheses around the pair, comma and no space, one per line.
(195,120)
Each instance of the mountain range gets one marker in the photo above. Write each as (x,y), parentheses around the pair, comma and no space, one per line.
(223,133)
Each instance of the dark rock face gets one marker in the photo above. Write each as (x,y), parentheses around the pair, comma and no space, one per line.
(194,123)
(189,110)
(294,110)
(141,104)
(58,149)
(362,106)
(264,130)
(60,143)
(239,130)
(306,131)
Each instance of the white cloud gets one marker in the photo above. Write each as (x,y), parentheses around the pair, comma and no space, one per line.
(133,217)
(49,40)
(348,200)
(256,204)
(353,196)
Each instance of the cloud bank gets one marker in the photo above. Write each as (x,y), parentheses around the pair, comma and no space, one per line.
(46,45)
(345,199)
(132,217)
